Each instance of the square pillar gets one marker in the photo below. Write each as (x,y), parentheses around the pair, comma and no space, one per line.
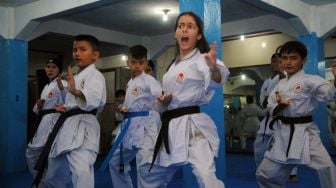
(13,101)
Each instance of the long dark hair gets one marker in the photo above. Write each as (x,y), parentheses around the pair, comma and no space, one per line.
(201,44)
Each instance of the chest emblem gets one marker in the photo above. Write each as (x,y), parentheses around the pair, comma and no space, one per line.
(180,77)
(50,94)
(136,91)
(297,88)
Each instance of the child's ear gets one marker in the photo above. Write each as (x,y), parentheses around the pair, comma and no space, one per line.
(199,36)
(96,55)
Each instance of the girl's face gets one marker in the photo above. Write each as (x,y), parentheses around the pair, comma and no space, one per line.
(83,54)
(52,70)
(187,34)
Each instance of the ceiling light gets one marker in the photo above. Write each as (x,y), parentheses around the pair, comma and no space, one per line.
(243,77)
(242,37)
(165,14)
(124,57)
(263,44)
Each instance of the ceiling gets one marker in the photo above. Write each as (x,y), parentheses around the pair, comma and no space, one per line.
(319,2)
(139,17)
(135,17)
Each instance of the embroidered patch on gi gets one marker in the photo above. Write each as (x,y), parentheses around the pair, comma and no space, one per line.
(136,91)
(50,94)
(180,77)
(82,84)
(297,88)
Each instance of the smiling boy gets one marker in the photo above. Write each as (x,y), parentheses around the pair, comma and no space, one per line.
(296,136)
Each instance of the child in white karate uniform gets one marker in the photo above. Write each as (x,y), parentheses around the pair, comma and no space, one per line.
(53,93)
(187,135)
(76,145)
(138,141)
(296,135)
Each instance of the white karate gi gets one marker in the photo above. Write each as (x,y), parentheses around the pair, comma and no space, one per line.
(139,140)
(304,92)
(51,95)
(251,114)
(264,133)
(76,145)
(192,138)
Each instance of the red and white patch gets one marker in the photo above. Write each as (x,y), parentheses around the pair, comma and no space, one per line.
(136,91)
(50,94)
(180,77)
(82,84)
(297,88)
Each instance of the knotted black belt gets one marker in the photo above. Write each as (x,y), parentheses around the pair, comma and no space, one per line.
(46,111)
(41,113)
(291,121)
(43,158)
(163,134)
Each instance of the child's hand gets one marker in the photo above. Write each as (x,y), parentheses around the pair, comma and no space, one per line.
(284,102)
(60,108)
(122,110)
(165,99)
(71,81)
(211,56)
(59,83)
(40,103)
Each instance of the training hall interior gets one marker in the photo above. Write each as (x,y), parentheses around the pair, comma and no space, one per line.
(248,33)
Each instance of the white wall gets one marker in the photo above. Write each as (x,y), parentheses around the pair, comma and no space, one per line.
(237,53)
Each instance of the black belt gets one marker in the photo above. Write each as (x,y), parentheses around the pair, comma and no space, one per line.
(47,111)
(41,113)
(291,121)
(43,158)
(163,134)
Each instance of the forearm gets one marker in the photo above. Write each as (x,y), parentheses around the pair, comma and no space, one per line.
(216,74)
(77,93)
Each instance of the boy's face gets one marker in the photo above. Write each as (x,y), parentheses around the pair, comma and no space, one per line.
(120,99)
(292,62)
(137,66)
(52,70)
(83,54)
(275,64)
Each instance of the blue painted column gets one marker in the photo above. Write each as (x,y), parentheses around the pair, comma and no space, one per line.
(13,102)
(316,65)
(209,11)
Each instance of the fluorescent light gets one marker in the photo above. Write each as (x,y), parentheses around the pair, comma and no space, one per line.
(165,14)
(165,17)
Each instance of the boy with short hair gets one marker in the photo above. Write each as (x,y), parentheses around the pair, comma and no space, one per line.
(139,122)
(296,135)
(76,145)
